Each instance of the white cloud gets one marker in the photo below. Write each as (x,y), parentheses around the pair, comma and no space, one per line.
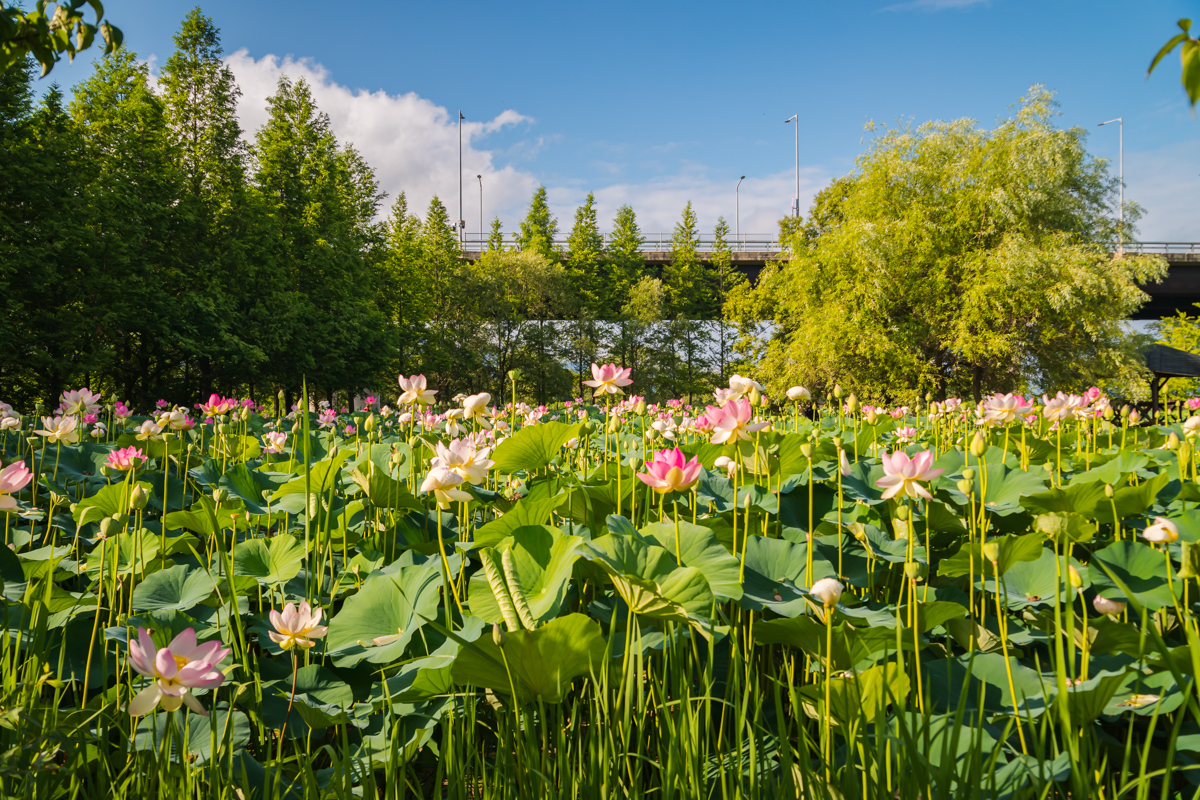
(412,143)
(1166,184)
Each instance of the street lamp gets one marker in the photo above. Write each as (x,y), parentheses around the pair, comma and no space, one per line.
(462,223)
(796,200)
(480,177)
(1121,175)
(737,212)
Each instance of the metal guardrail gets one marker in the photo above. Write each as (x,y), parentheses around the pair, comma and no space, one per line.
(1164,248)
(652,242)
(768,243)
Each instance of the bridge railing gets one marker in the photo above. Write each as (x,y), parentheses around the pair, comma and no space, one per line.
(769,243)
(651,242)
(1164,248)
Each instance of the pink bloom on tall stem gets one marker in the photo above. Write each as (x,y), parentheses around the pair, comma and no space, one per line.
(125,459)
(413,391)
(732,422)
(13,478)
(670,471)
(296,627)
(177,669)
(609,379)
(903,476)
(274,441)
(80,401)
(217,405)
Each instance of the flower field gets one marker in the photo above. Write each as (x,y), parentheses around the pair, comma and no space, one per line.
(473,598)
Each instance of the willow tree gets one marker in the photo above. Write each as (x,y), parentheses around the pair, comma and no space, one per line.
(958,260)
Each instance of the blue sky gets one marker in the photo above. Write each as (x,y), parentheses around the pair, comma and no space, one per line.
(656,103)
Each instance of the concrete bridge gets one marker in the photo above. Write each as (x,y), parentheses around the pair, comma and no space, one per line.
(750,252)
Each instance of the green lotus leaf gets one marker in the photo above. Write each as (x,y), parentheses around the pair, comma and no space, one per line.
(175,588)
(543,557)
(271,561)
(376,623)
(542,663)
(533,447)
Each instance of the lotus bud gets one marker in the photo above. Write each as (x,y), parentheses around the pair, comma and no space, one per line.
(220,495)
(871,417)
(829,398)
(1185,451)
(636,463)
(395,458)
(1108,413)
(852,403)
(991,551)
(837,442)
(837,391)
(498,634)
(222,428)
(245,413)
(651,434)
(614,425)
(106,470)
(1106,606)
(828,591)
(108,526)
(640,407)
(139,497)
(369,424)
(1108,490)
(928,398)
(266,495)
(754,395)
(966,486)
(1125,409)
(764,401)
(806,449)
(1134,417)
(1172,441)
(296,427)
(916,571)
(314,505)
(901,512)
(1074,576)
(969,474)
(798,394)
(591,427)
(978,445)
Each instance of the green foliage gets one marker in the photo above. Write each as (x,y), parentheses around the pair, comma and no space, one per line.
(1189,59)
(997,250)
(48,36)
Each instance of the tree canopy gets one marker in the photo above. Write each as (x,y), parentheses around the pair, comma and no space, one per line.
(956,259)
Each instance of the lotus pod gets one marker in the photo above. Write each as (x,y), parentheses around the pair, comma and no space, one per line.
(500,590)
(518,594)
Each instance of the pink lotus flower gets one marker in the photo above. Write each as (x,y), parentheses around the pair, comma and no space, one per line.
(670,471)
(161,403)
(177,669)
(609,379)
(121,411)
(1193,403)
(274,441)
(413,391)
(326,418)
(906,435)
(217,405)
(443,484)
(732,423)
(13,478)
(1001,409)
(903,476)
(296,626)
(128,458)
(80,401)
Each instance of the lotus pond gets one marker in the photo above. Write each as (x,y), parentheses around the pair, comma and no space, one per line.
(602,598)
